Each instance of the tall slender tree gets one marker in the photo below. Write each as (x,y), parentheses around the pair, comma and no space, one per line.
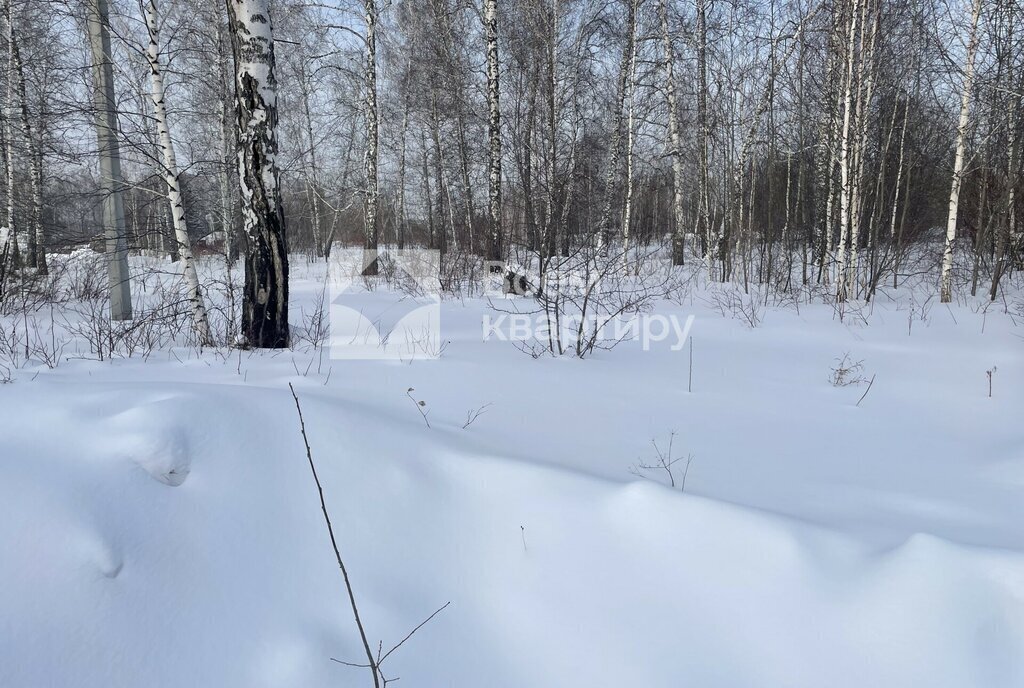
(370,157)
(200,320)
(494,246)
(946,278)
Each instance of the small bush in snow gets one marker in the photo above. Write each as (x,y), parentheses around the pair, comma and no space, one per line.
(847,372)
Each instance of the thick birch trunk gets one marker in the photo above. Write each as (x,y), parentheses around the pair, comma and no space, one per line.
(265,298)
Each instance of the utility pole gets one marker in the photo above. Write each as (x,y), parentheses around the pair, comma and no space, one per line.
(110,161)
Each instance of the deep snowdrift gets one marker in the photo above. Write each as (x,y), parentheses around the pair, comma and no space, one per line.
(159,525)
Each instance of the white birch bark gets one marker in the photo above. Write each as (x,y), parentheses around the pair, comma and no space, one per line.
(548,246)
(370,158)
(36,249)
(402,153)
(865,93)
(674,137)
(13,252)
(627,210)
(200,320)
(844,156)
(946,278)
(704,134)
(265,297)
(495,248)
(604,226)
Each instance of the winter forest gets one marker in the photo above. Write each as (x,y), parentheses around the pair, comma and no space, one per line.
(512,343)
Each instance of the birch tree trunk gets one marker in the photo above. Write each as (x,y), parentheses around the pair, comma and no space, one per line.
(1007,231)
(13,251)
(495,249)
(548,246)
(604,227)
(371,200)
(828,156)
(200,320)
(704,135)
(428,195)
(265,298)
(627,210)
(673,134)
(946,278)
(865,93)
(402,153)
(845,190)
(36,249)
(440,182)
(893,238)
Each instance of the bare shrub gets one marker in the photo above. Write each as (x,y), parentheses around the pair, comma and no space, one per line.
(162,325)
(315,322)
(577,297)
(664,464)
(731,302)
(846,372)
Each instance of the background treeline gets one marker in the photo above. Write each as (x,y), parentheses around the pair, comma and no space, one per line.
(779,142)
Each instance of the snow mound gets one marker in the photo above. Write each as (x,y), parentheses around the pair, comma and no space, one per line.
(149,437)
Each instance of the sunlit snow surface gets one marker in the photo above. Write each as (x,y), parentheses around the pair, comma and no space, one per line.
(159,525)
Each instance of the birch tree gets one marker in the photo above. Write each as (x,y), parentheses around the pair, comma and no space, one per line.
(621,92)
(265,296)
(35,241)
(675,141)
(494,246)
(370,202)
(946,277)
(703,133)
(12,254)
(200,321)
(1014,98)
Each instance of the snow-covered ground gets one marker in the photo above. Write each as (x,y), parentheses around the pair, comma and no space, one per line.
(159,525)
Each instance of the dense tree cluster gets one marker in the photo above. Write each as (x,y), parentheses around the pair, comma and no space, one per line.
(775,142)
